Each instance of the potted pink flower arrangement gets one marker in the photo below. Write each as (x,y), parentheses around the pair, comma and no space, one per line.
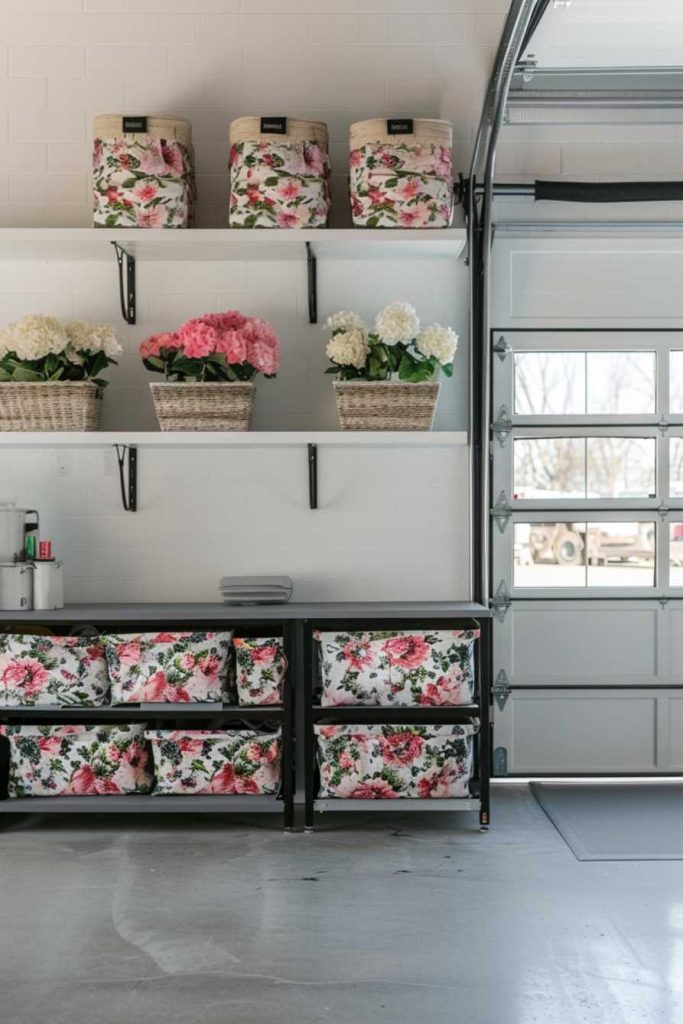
(209,364)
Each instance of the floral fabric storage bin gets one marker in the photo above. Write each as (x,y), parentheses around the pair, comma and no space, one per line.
(77,760)
(196,761)
(261,668)
(143,172)
(399,669)
(279,173)
(401,174)
(167,667)
(52,671)
(384,762)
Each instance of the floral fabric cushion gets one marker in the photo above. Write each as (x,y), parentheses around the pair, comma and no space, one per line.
(167,667)
(283,185)
(382,762)
(261,667)
(425,667)
(142,182)
(56,671)
(77,760)
(202,762)
(401,185)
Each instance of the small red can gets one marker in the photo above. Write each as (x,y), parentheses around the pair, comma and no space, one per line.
(45,550)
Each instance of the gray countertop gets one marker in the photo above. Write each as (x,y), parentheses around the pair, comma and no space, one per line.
(152,612)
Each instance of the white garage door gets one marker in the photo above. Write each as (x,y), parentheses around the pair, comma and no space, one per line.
(588,551)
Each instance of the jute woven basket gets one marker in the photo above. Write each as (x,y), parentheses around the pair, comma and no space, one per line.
(213,406)
(376,405)
(425,131)
(248,129)
(50,405)
(110,126)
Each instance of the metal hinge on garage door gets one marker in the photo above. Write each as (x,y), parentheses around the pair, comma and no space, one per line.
(500,602)
(501,689)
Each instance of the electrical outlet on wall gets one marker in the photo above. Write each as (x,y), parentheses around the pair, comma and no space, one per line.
(64,463)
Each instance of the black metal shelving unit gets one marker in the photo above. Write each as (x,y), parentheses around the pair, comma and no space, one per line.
(479,799)
(99,619)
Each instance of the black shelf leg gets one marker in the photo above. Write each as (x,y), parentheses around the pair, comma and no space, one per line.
(485,724)
(309,736)
(288,740)
(126,288)
(313,476)
(312,266)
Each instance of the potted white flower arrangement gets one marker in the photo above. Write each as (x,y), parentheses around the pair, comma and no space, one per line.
(209,365)
(51,373)
(386,377)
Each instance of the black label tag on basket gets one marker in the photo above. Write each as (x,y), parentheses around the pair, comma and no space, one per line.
(273,125)
(134,124)
(400,126)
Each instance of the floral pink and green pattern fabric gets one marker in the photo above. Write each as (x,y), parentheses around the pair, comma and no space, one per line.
(279,185)
(142,182)
(77,760)
(424,667)
(401,186)
(167,667)
(56,671)
(202,762)
(383,762)
(261,668)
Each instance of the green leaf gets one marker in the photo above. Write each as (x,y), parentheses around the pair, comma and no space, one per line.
(4,375)
(447,369)
(333,369)
(271,181)
(22,373)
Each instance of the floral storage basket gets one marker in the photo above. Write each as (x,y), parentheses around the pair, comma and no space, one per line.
(164,667)
(384,762)
(143,172)
(231,762)
(203,406)
(279,173)
(401,173)
(261,668)
(50,405)
(426,668)
(77,760)
(379,405)
(56,671)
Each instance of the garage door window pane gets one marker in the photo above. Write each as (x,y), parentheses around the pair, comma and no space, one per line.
(676,467)
(549,555)
(676,554)
(550,383)
(549,467)
(621,383)
(676,382)
(621,467)
(621,554)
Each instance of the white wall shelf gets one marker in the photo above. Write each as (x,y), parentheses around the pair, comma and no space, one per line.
(231,243)
(238,439)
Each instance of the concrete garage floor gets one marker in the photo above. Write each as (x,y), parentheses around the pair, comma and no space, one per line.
(396,920)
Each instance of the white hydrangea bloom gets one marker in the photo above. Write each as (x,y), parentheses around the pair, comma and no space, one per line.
(93,338)
(348,348)
(346,320)
(440,342)
(396,323)
(34,337)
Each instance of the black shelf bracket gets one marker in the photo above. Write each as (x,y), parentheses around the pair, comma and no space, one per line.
(312,476)
(312,264)
(129,481)
(127,288)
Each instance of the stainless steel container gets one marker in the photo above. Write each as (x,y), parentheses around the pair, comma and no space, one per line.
(16,586)
(48,585)
(13,529)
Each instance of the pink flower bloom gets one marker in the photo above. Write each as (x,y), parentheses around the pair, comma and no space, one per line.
(346,762)
(444,692)
(224,780)
(289,189)
(129,653)
(415,216)
(233,345)
(358,653)
(157,343)
(189,745)
(439,784)
(373,789)
(27,674)
(49,744)
(113,753)
(154,218)
(145,191)
(401,748)
(263,655)
(355,158)
(208,666)
(291,218)
(156,687)
(243,784)
(376,196)
(173,158)
(187,661)
(166,638)
(84,782)
(406,651)
(253,195)
(197,339)
(408,189)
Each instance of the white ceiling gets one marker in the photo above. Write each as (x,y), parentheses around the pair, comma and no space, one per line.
(610,33)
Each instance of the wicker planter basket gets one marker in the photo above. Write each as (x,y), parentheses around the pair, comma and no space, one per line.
(377,405)
(50,405)
(214,406)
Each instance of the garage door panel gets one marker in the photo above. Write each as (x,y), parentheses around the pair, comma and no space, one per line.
(584,643)
(578,732)
(674,721)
